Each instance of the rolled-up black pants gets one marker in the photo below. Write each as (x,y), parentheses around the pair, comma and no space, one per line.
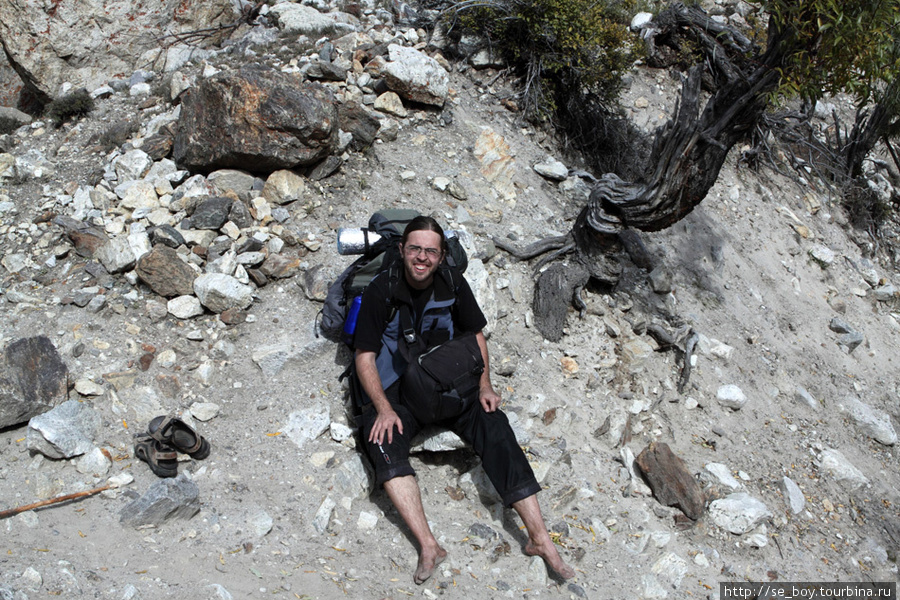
(489,434)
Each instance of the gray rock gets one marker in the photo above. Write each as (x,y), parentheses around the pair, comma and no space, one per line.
(167,499)
(232,180)
(33,380)
(738,513)
(552,169)
(116,255)
(731,396)
(839,469)
(822,255)
(838,325)
(71,49)
(723,475)
(851,341)
(65,431)
(299,19)
(167,235)
(218,292)
(804,397)
(211,213)
(874,423)
(436,439)
(413,74)
(132,165)
(661,280)
(323,515)
(184,307)
(793,496)
(885,293)
(354,478)
(307,425)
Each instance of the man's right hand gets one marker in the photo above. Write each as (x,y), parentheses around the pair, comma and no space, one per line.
(384,424)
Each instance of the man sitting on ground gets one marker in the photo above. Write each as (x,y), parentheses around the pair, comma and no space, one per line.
(388,426)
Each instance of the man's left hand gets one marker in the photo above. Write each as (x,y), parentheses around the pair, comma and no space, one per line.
(490,400)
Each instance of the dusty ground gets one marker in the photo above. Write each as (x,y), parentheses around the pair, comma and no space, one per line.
(742,275)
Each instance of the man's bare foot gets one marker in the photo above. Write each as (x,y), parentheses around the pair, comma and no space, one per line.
(428,562)
(551,558)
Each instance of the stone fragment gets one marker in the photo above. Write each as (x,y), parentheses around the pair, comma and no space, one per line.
(305,426)
(211,213)
(874,423)
(738,513)
(167,499)
(65,431)
(184,307)
(390,103)
(164,271)
(723,475)
(323,515)
(283,187)
(552,169)
(839,469)
(219,292)
(280,266)
(822,255)
(413,75)
(94,462)
(731,396)
(793,496)
(274,120)
(33,380)
(671,482)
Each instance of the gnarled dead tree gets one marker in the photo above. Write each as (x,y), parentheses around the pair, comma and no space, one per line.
(687,155)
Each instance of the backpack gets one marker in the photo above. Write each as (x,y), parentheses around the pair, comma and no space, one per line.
(346,291)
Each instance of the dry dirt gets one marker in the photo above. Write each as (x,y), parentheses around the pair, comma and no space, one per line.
(742,275)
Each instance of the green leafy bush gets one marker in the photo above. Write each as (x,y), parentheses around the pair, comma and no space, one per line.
(71,106)
(558,46)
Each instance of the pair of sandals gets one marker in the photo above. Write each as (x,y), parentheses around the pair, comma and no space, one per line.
(165,437)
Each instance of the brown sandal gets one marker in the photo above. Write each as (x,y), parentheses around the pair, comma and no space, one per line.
(174,432)
(161,459)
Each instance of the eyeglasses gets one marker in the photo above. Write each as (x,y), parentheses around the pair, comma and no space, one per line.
(432,253)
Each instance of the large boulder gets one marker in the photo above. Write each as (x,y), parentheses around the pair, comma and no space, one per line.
(413,75)
(33,380)
(257,119)
(86,42)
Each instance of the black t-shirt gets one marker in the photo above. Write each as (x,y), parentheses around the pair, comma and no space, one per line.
(375,310)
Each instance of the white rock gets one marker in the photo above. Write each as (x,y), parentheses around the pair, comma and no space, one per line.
(86,387)
(723,475)
(94,462)
(218,292)
(367,521)
(184,307)
(204,411)
(640,20)
(841,470)
(822,255)
(793,495)
(307,425)
(874,423)
(738,513)
(323,515)
(552,169)
(731,396)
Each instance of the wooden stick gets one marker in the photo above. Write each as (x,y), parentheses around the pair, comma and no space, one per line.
(15,511)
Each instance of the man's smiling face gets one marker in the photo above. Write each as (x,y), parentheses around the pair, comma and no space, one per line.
(422,255)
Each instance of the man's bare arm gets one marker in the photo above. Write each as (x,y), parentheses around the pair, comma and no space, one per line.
(371,382)
(489,398)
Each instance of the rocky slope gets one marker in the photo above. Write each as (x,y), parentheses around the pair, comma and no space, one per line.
(786,422)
